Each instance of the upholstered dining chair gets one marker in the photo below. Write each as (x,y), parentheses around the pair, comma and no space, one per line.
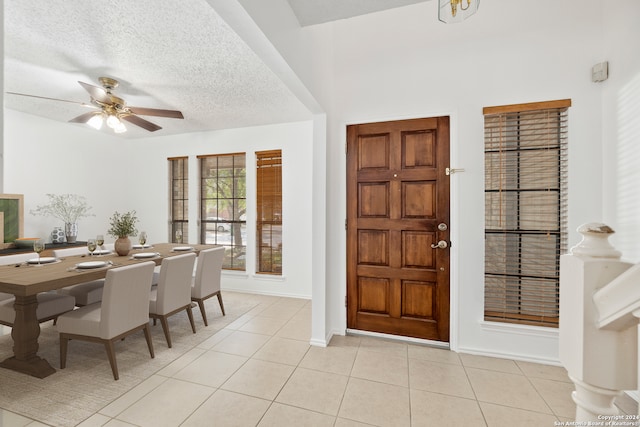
(50,304)
(206,282)
(85,293)
(122,312)
(173,294)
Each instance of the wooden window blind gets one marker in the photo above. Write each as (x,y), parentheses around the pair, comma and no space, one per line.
(269,212)
(525,211)
(223,206)
(179,197)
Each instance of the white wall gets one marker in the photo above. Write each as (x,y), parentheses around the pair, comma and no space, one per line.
(114,174)
(403,63)
(621,126)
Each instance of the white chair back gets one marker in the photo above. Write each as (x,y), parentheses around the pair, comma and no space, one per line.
(77,250)
(208,272)
(174,283)
(125,300)
(17,258)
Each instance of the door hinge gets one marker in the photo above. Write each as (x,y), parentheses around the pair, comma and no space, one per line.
(345,301)
(345,224)
(346,147)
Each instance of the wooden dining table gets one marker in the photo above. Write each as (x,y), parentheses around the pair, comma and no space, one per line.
(25,281)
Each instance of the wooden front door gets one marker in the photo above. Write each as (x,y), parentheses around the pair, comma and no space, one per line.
(398,211)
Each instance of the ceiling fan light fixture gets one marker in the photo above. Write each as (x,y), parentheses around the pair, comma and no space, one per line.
(96,121)
(452,11)
(120,128)
(113,121)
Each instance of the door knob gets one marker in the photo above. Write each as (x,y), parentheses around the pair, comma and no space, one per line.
(440,245)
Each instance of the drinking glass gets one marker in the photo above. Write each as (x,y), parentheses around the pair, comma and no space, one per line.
(91,245)
(142,239)
(100,241)
(38,246)
(178,236)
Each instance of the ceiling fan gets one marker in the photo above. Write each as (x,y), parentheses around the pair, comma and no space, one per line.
(112,109)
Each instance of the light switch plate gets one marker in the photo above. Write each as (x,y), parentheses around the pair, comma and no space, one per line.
(600,72)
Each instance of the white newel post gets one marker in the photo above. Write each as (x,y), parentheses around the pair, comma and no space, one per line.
(600,356)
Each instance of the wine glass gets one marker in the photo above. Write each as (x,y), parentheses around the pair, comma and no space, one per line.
(100,241)
(178,236)
(38,246)
(142,239)
(91,245)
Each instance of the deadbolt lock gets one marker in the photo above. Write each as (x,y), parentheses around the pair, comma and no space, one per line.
(442,226)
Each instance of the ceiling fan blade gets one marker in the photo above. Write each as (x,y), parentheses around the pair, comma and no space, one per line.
(138,121)
(174,114)
(97,93)
(53,99)
(84,118)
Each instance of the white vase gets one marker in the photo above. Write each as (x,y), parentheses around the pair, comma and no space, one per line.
(71,231)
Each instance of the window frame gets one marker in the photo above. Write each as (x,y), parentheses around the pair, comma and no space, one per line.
(182,182)
(235,250)
(269,212)
(521,285)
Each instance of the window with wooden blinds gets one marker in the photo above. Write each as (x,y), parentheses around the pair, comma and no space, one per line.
(223,206)
(179,197)
(269,215)
(525,211)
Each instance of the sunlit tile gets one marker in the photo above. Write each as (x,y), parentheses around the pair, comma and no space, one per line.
(132,396)
(259,378)
(433,409)
(227,409)
(264,325)
(314,390)
(376,403)
(96,420)
(241,343)
(283,350)
(393,348)
(433,354)
(211,369)
(8,418)
(437,377)
(504,416)
(490,363)
(338,360)
(381,367)
(182,361)
(280,415)
(168,405)
(548,372)
(557,394)
(506,389)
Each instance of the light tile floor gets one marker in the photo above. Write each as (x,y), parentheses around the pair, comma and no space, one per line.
(261,371)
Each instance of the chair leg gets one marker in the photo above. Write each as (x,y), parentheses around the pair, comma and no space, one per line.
(111,354)
(220,302)
(190,314)
(204,313)
(165,328)
(147,336)
(64,341)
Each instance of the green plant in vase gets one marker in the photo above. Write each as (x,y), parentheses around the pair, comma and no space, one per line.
(122,226)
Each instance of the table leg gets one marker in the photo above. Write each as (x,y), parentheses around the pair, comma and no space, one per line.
(25,332)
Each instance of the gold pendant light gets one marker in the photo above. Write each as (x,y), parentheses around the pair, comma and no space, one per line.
(451,11)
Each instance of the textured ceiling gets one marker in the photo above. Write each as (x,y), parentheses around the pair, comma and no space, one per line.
(164,54)
(311,12)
